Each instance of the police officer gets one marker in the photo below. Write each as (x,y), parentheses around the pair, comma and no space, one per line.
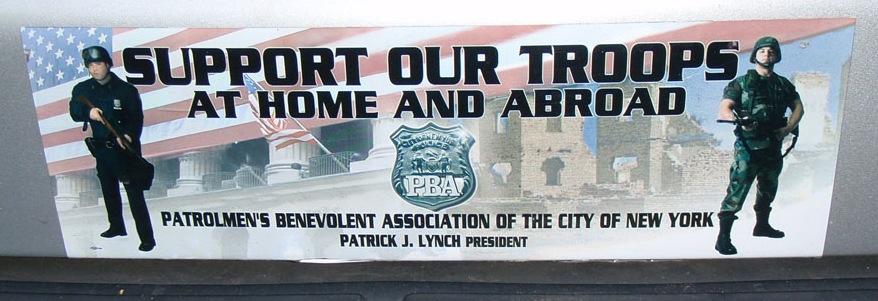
(118,103)
(757,102)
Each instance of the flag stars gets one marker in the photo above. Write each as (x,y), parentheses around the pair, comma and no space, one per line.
(53,52)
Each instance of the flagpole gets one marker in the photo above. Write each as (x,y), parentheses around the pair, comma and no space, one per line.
(322,146)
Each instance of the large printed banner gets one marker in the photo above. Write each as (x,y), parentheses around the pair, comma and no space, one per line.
(535,142)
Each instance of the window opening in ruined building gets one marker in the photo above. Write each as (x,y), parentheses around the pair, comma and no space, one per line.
(552,167)
(553,125)
(622,166)
(501,124)
(500,172)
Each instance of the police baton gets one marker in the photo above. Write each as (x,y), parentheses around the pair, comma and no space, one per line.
(125,144)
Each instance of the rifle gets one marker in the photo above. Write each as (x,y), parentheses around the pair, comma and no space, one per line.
(82,99)
(741,122)
(737,121)
(147,174)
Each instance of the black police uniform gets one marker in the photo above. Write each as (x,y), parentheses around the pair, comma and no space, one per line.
(121,106)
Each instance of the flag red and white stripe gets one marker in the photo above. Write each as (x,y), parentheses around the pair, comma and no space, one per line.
(167,131)
(280,132)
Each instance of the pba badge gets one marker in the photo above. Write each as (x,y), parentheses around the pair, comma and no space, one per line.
(432,167)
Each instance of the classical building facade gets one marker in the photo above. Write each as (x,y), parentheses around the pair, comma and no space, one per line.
(556,158)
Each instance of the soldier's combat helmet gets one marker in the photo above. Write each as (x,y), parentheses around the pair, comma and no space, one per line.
(766,42)
(96,54)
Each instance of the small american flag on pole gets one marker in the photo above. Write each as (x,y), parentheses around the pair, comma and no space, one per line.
(278,131)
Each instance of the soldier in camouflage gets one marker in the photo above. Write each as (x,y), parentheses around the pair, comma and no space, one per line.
(757,102)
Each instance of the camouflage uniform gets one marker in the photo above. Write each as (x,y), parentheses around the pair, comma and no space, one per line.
(764,101)
(757,152)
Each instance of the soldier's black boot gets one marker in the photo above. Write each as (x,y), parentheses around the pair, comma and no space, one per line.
(763,228)
(724,240)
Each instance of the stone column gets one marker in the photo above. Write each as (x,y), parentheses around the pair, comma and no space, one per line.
(166,173)
(194,165)
(383,153)
(70,186)
(279,168)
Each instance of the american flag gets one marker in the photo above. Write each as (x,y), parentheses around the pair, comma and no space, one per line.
(53,54)
(278,131)
(168,132)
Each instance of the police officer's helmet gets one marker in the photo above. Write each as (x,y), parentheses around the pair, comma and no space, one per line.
(96,54)
(766,42)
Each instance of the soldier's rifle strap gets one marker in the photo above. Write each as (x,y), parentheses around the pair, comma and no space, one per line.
(795,133)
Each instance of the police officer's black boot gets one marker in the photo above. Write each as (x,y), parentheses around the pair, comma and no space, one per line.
(724,240)
(762,227)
